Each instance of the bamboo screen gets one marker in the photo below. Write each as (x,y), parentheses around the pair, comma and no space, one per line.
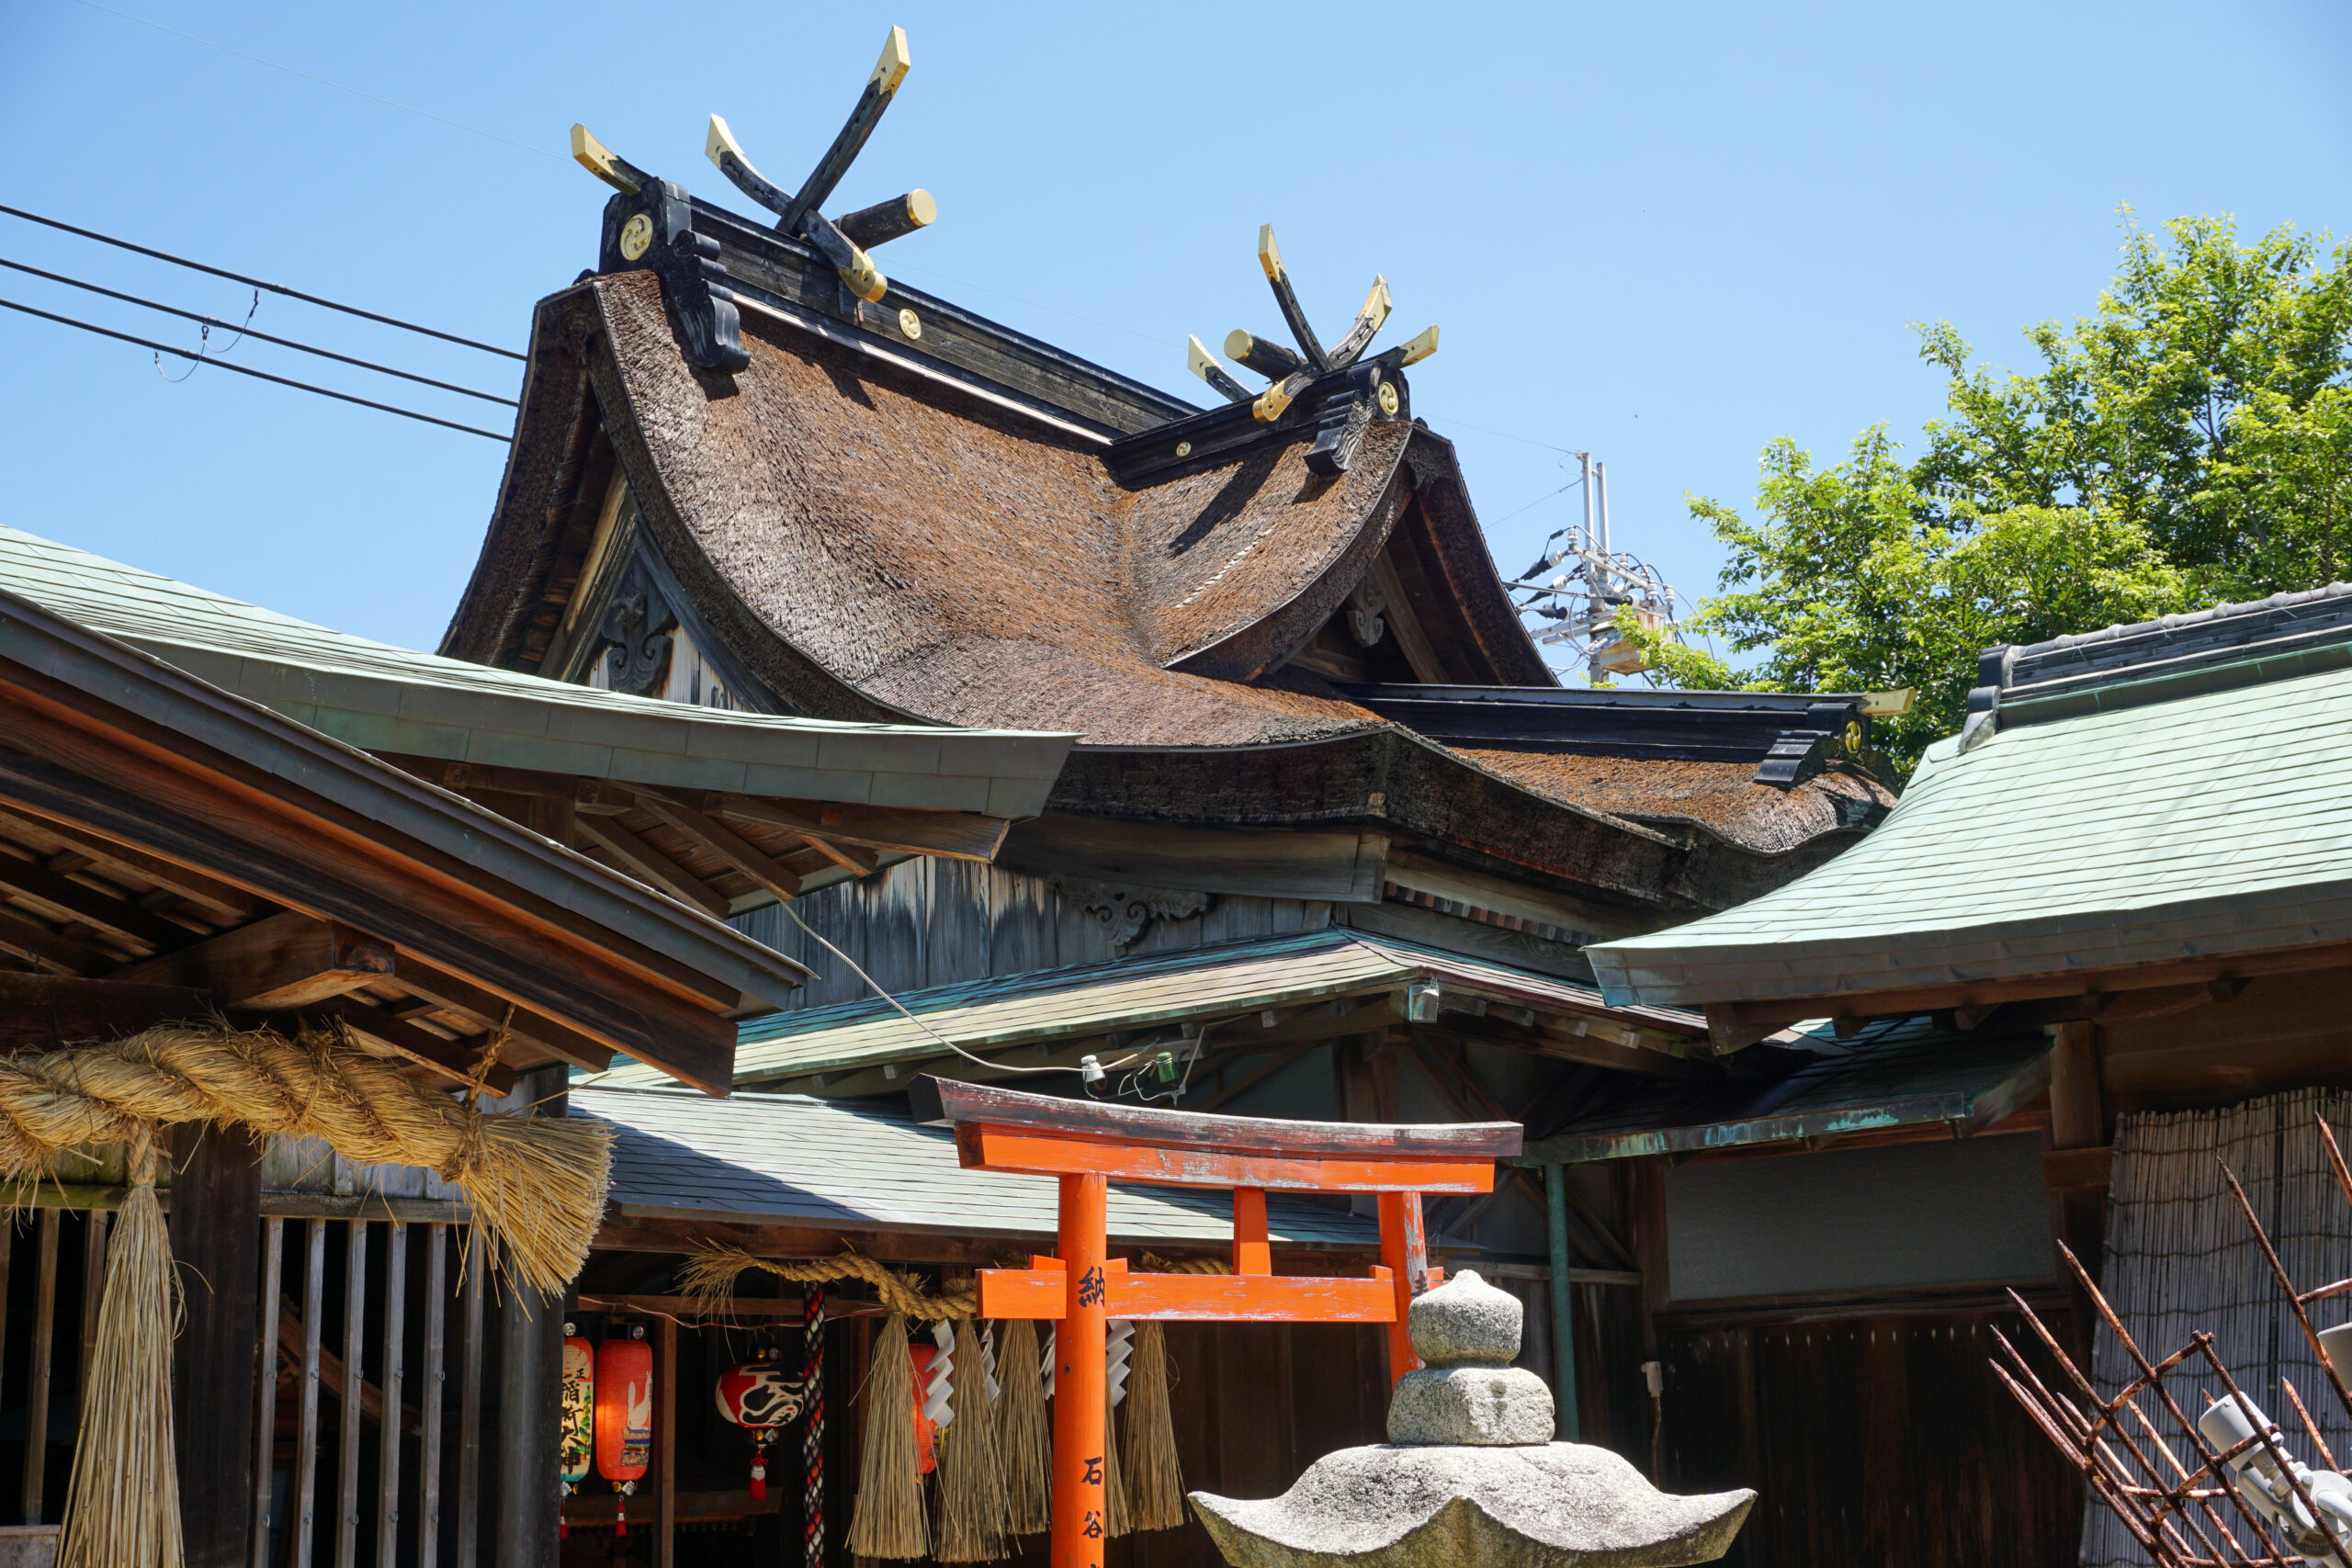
(2179,1258)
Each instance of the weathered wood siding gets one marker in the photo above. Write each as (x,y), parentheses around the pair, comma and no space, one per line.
(933,922)
(1870,1440)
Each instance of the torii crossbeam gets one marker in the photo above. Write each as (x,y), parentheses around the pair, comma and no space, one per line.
(1089,1144)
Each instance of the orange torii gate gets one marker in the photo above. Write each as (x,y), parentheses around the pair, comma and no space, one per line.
(1089,1144)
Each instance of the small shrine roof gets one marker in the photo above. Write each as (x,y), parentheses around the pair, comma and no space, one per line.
(790,1159)
(2186,803)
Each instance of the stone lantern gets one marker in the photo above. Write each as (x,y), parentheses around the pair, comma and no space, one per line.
(1470,1476)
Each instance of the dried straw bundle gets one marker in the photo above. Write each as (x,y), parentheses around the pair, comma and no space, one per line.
(1023,1434)
(888,1520)
(1117,1518)
(535,1183)
(1155,1475)
(122,1506)
(711,1270)
(974,1517)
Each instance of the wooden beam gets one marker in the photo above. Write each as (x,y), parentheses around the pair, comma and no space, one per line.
(824,839)
(285,961)
(43,1011)
(1773,1014)
(1588,1050)
(634,857)
(225,905)
(20,934)
(950,835)
(488,1010)
(455,1060)
(1403,624)
(115,909)
(723,842)
(1257,1076)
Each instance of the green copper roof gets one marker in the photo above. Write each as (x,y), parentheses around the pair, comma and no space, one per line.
(1143,992)
(2211,824)
(383,698)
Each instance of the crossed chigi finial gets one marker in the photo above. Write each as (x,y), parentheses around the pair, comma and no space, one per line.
(1290,372)
(661,226)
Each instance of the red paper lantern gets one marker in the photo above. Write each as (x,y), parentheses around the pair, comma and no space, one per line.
(758,1397)
(579,1413)
(624,1415)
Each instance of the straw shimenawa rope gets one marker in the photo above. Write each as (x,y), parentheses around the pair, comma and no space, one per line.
(888,1518)
(710,1275)
(973,1520)
(122,1506)
(1023,1430)
(1155,1476)
(535,1183)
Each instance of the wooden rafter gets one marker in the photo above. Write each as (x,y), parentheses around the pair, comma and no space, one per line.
(634,856)
(284,960)
(723,842)
(77,896)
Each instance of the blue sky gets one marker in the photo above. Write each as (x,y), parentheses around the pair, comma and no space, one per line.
(1667,233)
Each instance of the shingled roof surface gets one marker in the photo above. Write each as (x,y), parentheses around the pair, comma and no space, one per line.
(871,543)
(2201,825)
(1722,799)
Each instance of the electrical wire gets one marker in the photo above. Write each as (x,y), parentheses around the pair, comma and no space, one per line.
(249,331)
(258,283)
(257,375)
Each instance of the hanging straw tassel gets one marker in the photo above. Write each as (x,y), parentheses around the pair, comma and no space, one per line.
(1117,1518)
(974,1516)
(1155,1475)
(122,1506)
(1025,1437)
(888,1520)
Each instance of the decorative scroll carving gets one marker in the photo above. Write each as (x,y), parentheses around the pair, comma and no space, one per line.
(637,625)
(1364,608)
(1126,912)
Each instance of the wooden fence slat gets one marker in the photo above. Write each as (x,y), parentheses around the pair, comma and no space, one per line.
(37,1395)
(8,1247)
(273,1268)
(93,1286)
(436,1292)
(355,1380)
(469,1411)
(389,1434)
(306,1440)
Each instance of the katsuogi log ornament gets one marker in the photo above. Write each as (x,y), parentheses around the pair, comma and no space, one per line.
(536,1185)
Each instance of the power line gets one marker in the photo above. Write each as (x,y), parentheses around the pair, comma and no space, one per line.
(321,81)
(248,331)
(258,283)
(257,375)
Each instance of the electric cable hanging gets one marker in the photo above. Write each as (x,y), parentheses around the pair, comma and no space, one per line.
(247,330)
(259,283)
(257,375)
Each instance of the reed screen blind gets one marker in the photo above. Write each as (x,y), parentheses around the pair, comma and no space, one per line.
(2180,1259)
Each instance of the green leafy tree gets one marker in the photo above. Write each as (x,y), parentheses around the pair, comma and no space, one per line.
(2187,444)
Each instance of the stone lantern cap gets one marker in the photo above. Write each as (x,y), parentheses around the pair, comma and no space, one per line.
(1470,1477)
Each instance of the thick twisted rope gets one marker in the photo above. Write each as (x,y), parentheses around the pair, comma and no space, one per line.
(711,1271)
(535,1183)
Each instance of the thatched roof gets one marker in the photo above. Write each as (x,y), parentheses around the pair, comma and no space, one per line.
(874,541)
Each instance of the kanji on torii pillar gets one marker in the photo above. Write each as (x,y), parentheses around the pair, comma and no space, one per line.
(1089,1144)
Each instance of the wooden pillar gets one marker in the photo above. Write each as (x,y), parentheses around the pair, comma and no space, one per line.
(1404,1253)
(1563,1330)
(530,1377)
(665,1442)
(220,1353)
(1079,1411)
(2077,1165)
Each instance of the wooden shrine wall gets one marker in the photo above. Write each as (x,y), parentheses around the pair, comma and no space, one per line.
(1871,1441)
(934,922)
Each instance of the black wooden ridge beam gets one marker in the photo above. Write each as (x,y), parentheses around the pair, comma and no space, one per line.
(1783,737)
